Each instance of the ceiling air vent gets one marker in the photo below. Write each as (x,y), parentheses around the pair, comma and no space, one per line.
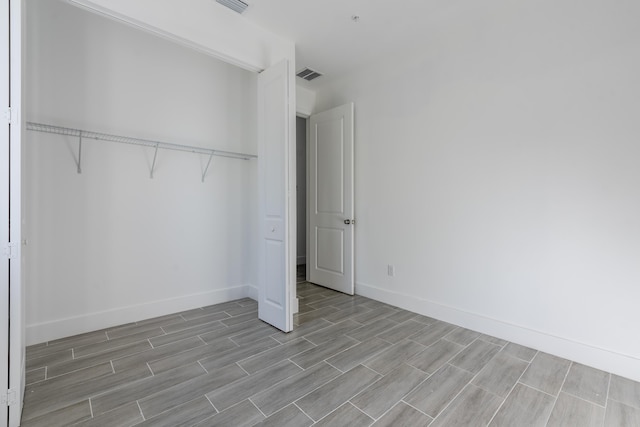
(235,5)
(308,74)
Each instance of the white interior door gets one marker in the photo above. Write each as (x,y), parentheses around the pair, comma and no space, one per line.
(4,211)
(16,302)
(331,207)
(274,281)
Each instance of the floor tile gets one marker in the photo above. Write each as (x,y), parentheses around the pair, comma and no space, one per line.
(433,395)
(291,416)
(136,328)
(239,319)
(62,368)
(246,387)
(140,389)
(462,336)
(52,398)
(315,314)
(199,353)
(157,353)
(570,411)
(300,331)
(294,387)
(49,359)
(35,375)
(401,316)
(233,355)
(345,416)
(475,356)
(435,356)
(493,340)
(587,383)
(382,395)
(619,414)
(358,354)
(401,331)
(394,356)
(114,343)
(323,351)
(473,407)
(244,414)
(332,395)
(253,335)
(211,318)
(546,373)
(62,417)
(500,374)
(126,415)
(521,352)
(403,415)
(366,332)
(34,352)
(187,333)
(190,390)
(625,391)
(229,331)
(432,333)
(524,407)
(374,315)
(187,414)
(332,332)
(210,309)
(274,355)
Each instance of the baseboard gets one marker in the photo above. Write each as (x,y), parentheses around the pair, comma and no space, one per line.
(252,292)
(607,360)
(301,260)
(47,331)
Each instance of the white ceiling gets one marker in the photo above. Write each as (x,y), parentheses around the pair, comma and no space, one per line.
(327,39)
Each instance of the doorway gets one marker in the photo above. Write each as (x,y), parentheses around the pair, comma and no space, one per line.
(301,199)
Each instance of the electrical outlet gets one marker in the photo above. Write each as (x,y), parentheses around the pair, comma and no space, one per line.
(391,270)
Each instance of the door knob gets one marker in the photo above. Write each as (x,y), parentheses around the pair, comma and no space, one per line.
(347,221)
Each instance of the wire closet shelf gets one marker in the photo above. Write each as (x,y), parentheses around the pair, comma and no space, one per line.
(80,134)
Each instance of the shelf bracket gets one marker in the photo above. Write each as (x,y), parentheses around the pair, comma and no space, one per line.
(80,153)
(155,156)
(208,164)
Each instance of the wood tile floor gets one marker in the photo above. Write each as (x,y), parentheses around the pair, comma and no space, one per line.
(351,361)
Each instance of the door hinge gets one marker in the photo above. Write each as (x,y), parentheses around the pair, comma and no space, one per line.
(8,114)
(9,398)
(9,250)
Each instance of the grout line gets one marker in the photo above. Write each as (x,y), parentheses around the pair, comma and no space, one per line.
(140,409)
(585,400)
(205,369)
(309,416)
(512,388)
(411,406)
(211,403)
(606,400)
(238,363)
(256,406)
(555,402)
(113,369)
(90,408)
(536,389)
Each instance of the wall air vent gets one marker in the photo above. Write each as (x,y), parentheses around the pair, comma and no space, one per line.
(235,5)
(308,74)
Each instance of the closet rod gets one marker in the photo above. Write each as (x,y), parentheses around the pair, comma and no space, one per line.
(79,133)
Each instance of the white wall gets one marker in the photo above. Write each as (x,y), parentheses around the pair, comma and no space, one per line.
(112,245)
(497,168)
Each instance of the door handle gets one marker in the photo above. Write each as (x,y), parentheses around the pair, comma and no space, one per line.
(349,221)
